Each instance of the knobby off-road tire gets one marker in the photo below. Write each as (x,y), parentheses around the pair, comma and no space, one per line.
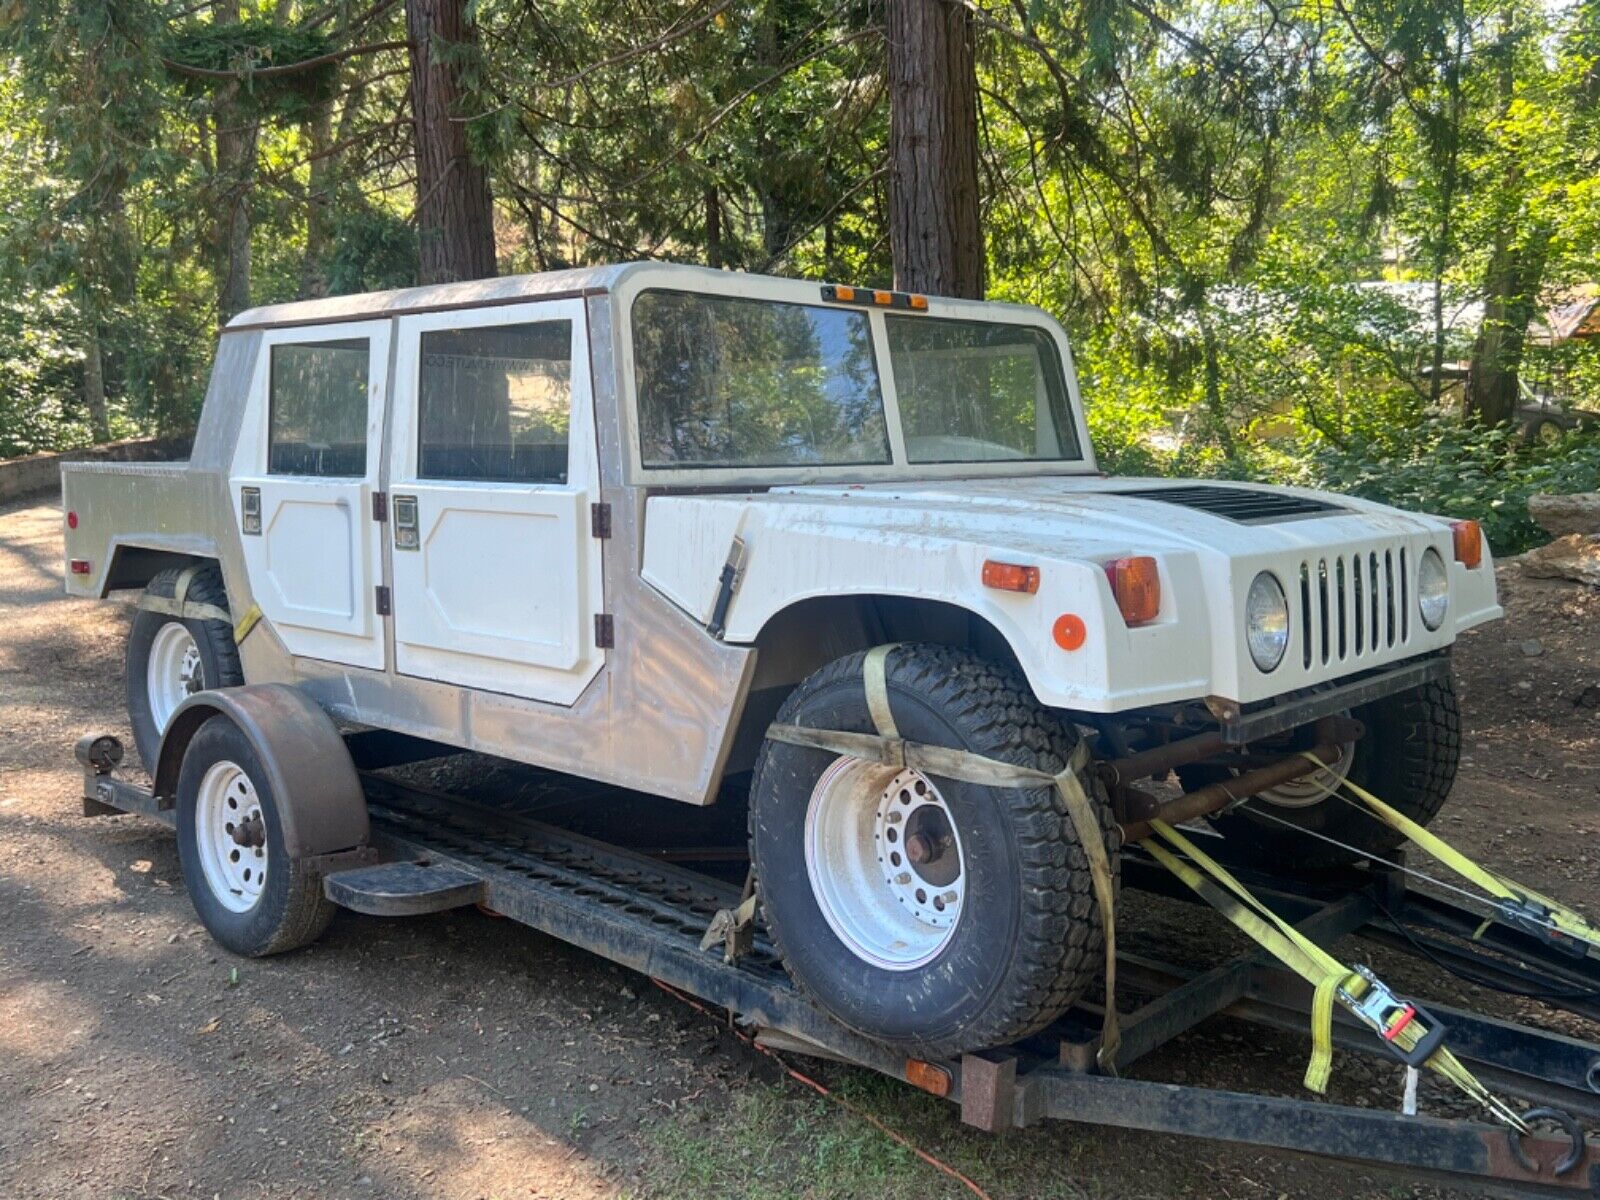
(157,644)
(258,915)
(1407,759)
(1026,940)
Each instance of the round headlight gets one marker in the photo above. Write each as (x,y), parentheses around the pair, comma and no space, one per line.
(1266,621)
(1433,588)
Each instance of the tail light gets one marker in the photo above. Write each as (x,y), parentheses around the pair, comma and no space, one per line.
(1136,583)
(80,566)
(1469,542)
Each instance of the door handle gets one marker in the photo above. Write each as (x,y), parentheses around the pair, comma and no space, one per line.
(250,510)
(404,509)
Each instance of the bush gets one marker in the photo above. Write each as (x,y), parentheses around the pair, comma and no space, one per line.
(1453,469)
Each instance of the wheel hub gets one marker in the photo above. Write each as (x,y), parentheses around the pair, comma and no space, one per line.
(885,862)
(174,671)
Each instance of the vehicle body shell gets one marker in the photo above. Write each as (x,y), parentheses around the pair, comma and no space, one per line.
(659,708)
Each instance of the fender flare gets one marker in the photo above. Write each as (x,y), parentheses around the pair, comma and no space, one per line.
(308,767)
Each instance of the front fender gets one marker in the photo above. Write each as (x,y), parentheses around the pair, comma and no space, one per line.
(308,767)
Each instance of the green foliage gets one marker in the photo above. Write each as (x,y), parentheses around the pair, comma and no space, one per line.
(39,374)
(242,50)
(1459,470)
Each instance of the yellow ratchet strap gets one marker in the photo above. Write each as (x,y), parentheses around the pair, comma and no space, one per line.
(1557,919)
(889,748)
(1329,978)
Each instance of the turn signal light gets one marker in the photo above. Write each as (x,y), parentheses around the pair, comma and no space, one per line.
(80,566)
(1136,583)
(1010,577)
(1469,543)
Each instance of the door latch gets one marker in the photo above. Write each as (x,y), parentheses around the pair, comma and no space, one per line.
(406,536)
(250,510)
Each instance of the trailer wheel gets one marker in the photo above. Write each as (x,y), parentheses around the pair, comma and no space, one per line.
(1407,759)
(168,658)
(250,894)
(933,915)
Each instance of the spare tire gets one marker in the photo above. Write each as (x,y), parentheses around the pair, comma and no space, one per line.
(169,658)
(932,915)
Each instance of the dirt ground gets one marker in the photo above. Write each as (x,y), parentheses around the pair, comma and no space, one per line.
(464,1056)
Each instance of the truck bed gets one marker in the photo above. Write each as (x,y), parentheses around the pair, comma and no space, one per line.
(117,514)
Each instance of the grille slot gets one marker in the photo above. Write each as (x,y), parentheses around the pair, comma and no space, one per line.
(1235,503)
(1354,606)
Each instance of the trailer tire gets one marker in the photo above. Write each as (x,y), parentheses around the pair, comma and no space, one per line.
(1407,758)
(162,647)
(1024,940)
(251,896)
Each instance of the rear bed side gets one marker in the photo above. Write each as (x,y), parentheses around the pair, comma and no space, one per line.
(123,522)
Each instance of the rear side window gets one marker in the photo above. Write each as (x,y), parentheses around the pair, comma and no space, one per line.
(725,382)
(317,423)
(495,403)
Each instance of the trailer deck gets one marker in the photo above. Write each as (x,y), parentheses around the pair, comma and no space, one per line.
(433,850)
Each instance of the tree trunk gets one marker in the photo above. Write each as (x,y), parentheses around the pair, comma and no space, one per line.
(934,231)
(319,203)
(1511,296)
(455,214)
(713,228)
(94,382)
(236,166)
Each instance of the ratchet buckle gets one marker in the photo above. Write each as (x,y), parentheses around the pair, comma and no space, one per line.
(1388,1015)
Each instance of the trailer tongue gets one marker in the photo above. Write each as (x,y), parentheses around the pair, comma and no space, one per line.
(431,851)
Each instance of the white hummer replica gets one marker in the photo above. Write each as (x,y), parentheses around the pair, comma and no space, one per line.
(623,523)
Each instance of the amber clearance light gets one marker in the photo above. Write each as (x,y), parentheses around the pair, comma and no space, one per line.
(1469,543)
(1136,583)
(1010,577)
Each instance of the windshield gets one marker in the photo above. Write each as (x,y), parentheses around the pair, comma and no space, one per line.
(979,391)
(726,382)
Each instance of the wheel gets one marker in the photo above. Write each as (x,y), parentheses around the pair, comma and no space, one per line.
(1407,758)
(169,659)
(251,896)
(929,914)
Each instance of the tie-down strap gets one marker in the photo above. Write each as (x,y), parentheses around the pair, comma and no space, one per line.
(890,749)
(179,605)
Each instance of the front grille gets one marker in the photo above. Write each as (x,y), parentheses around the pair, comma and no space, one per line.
(1354,606)
(1237,504)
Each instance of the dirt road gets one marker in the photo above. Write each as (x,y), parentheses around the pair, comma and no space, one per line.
(463,1056)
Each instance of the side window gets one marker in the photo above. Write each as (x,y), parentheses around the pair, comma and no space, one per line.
(317,405)
(495,403)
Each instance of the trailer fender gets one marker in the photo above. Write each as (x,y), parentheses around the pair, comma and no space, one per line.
(319,795)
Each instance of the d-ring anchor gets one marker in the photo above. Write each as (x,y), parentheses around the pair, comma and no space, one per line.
(1568,1126)
(1593,1077)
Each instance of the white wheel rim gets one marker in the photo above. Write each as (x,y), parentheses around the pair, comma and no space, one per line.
(1310,789)
(864,825)
(173,672)
(231,837)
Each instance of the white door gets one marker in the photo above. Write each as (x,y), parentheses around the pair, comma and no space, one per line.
(492,471)
(304,471)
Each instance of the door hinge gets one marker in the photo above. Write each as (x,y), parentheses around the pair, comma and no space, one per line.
(605,631)
(384,600)
(600,520)
(380,506)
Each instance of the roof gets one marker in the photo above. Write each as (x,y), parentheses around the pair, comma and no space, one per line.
(503,289)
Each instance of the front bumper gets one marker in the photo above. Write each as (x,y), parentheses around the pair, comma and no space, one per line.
(1244,724)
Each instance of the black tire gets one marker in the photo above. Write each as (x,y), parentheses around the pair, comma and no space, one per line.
(1028,938)
(291,910)
(1407,759)
(219,657)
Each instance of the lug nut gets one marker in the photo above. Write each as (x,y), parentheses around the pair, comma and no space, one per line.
(903,878)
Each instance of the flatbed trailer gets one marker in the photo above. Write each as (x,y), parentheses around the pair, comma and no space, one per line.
(432,851)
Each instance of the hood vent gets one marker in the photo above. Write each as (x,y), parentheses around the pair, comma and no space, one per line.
(1237,504)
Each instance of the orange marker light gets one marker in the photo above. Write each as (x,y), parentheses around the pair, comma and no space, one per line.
(846,294)
(920,303)
(1469,543)
(928,1076)
(1069,631)
(883,297)
(1136,583)
(1010,577)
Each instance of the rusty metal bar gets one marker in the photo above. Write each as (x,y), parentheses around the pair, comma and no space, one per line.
(1216,796)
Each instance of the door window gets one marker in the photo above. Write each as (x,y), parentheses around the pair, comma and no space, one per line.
(317,401)
(495,403)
